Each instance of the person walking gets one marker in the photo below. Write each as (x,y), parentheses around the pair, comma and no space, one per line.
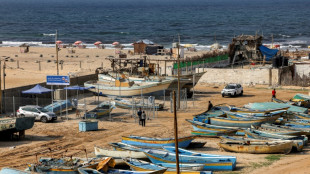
(143,117)
(139,115)
(274,93)
(210,106)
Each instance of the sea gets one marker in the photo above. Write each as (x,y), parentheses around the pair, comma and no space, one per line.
(198,22)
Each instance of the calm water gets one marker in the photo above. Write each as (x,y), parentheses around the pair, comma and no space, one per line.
(196,21)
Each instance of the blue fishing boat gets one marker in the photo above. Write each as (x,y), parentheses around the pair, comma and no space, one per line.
(245,123)
(119,171)
(59,106)
(258,111)
(253,115)
(139,165)
(301,115)
(211,163)
(156,142)
(216,111)
(6,170)
(275,129)
(192,153)
(83,170)
(296,130)
(123,147)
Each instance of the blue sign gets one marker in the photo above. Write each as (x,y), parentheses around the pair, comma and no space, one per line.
(57,80)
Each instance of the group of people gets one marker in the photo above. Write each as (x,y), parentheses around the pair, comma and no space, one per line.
(142,117)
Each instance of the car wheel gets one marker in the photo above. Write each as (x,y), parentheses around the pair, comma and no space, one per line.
(43,119)
(235,94)
(22,115)
(223,95)
(241,93)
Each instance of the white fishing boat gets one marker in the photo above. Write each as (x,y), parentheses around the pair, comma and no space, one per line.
(126,88)
(119,154)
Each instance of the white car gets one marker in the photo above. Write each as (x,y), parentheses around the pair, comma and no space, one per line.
(36,111)
(232,90)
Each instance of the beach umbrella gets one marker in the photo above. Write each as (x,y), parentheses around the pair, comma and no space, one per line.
(77,42)
(97,43)
(115,43)
(59,42)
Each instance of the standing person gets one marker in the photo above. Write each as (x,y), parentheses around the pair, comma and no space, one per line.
(210,106)
(139,115)
(274,93)
(143,117)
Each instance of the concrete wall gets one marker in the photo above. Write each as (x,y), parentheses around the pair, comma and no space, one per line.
(302,70)
(242,76)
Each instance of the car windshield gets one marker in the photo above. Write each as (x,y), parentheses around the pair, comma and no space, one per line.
(42,110)
(230,87)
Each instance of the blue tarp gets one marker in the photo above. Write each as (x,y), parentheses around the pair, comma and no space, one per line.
(37,90)
(77,87)
(269,53)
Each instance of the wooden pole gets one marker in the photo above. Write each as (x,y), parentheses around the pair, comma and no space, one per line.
(56,52)
(0,90)
(176,134)
(62,65)
(80,64)
(179,86)
(17,64)
(165,68)
(39,65)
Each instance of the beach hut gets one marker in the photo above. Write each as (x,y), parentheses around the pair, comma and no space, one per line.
(140,46)
(24,48)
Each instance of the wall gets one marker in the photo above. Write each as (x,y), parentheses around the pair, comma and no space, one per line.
(242,76)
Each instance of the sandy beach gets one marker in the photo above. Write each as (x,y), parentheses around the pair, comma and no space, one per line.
(63,137)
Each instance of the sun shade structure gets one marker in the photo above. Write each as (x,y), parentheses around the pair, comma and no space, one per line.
(38,89)
(77,42)
(77,88)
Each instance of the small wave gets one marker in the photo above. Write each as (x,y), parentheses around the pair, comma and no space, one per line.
(44,34)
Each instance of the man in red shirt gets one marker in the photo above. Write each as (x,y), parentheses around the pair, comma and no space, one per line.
(274,93)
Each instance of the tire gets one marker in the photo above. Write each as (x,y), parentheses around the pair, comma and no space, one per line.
(22,115)
(223,95)
(43,119)
(241,94)
(235,94)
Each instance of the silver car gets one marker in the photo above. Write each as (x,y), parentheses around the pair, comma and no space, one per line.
(36,111)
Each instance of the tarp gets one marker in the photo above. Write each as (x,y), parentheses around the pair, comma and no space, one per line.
(269,53)
(38,89)
(77,87)
(146,41)
(271,105)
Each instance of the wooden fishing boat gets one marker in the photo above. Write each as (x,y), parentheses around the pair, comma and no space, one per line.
(257,111)
(298,142)
(102,109)
(193,153)
(213,134)
(11,125)
(139,165)
(253,115)
(298,131)
(216,111)
(6,170)
(123,147)
(255,146)
(68,165)
(100,152)
(245,123)
(301,115)
(211,163)
(83,170)
(301,100)
(129,104)
(280,129)
(125,88)
(119,171)
(156,142)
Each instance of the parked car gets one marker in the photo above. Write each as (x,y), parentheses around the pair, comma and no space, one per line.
(232,90)
(36,111)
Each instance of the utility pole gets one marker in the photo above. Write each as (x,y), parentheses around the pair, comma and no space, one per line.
(179,97)
(0,90)
(4,66)
(56,52)
(176,142)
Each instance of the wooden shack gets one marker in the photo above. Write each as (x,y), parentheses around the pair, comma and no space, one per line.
(140,46)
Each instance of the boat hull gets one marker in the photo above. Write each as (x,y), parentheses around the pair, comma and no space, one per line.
(119,154)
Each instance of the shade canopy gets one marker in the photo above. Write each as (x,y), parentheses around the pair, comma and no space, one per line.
(97,43)
(115,43)
(59,42)
(77,42)
(77,87)
(38,89)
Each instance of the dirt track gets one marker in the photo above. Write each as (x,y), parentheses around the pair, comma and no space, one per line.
(63,137)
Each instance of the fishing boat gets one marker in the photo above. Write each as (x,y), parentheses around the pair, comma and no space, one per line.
(273,106)
(119,171)
(123,147)
(11,125)
(59,106)
(258,111)
(125,88)
(244,123)
(119,154)
(301,100)
(216,111)
(298,142)
(156,142)
(211,163)
(101,110)
(68,165)
(139,165)
(83,170)
(277,130)
(295,130)
(242,145)
(301,115)
(209,130)
(129,104)
(192,153)
(253,115)
(6,170)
